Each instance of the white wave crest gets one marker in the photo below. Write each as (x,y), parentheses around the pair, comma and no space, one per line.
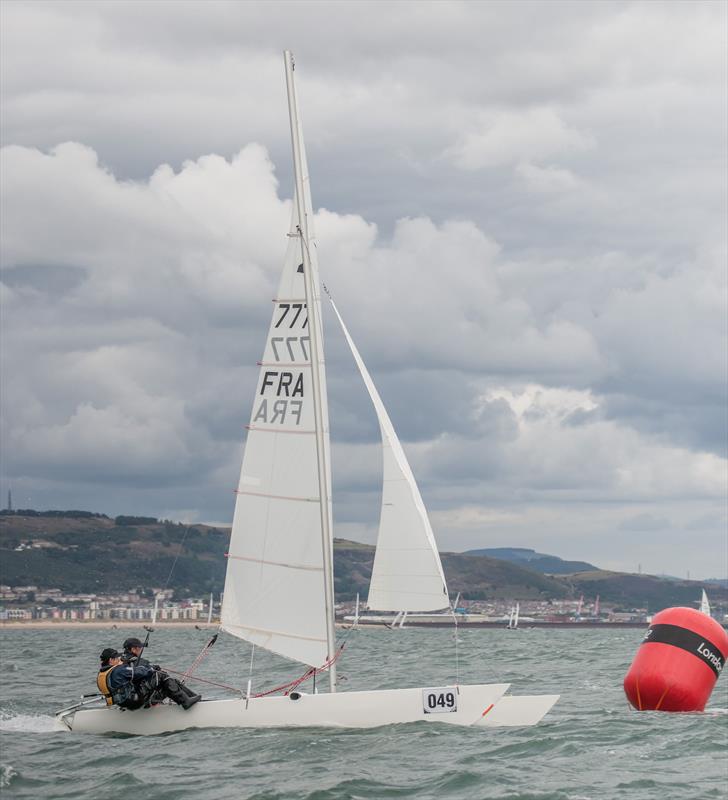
(7,773)
(29,723)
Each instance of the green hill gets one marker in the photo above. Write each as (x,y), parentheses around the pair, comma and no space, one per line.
(77,551)
(642,591)
(476,577)
(530,559)
(99,554)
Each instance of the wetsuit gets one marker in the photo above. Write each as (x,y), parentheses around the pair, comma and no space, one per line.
(129,658)
(132,686)
(126,685)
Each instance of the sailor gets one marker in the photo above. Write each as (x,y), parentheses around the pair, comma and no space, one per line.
(131,686)
(133,648)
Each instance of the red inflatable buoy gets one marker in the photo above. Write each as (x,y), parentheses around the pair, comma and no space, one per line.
(678,662)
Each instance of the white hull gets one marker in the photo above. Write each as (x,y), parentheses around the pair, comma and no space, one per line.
(476,705)
(518,711)
(481,705)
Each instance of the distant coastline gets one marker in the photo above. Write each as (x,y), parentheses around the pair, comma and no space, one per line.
(186,624)
(47,624)
(56,561)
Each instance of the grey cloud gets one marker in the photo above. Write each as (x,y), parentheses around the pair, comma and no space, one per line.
(645,522)
(52,279)
(143,229)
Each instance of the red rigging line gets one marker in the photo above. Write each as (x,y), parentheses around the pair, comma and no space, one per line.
(205,650)
(285,687)
(204,680)
(310,673)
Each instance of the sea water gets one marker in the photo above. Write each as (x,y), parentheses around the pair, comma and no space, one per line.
(591,746)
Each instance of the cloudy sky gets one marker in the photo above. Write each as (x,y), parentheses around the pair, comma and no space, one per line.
(521,216)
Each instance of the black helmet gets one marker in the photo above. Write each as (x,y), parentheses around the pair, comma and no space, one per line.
(133,642)
(108,654)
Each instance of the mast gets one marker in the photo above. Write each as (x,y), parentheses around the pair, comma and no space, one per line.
(316,358)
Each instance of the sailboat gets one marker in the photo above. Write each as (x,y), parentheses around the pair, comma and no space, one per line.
(704,604)
(513,618)
(436,619)
(279,591)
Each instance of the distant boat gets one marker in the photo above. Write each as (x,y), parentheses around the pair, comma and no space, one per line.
(279,589)
(397,621)
(155,610)
(704,604)
(513,619)
(356,610)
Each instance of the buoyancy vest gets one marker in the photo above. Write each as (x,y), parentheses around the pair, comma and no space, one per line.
(124,696)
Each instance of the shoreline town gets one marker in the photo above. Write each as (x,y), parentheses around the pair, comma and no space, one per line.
(37,608)
(184,624)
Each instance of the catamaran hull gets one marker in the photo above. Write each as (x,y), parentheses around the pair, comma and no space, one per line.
(341,710)
(513,711)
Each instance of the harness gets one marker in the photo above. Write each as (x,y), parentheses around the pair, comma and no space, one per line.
(125,696)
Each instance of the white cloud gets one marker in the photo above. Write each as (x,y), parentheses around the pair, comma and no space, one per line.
(543,310)
(507,138)
(547,179)
(118,367)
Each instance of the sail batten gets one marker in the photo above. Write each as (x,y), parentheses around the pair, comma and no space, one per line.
(277,563)
(267,632)
(273,430)
(280,496)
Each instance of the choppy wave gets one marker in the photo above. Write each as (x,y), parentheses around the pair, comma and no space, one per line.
(7,774)
(591,746)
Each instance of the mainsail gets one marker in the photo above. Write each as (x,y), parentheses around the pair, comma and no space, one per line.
(276,586)
(407,573)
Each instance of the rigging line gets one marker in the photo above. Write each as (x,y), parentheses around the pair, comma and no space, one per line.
(287,686)
(250,676)
(176,558)
(311,672)
(252,656)
(204,680)
(203,653)
(457,655)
